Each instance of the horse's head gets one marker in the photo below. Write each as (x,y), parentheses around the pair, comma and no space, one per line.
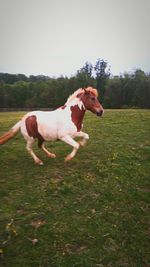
(91,102)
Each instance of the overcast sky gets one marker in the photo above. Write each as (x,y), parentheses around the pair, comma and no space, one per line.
(56,37)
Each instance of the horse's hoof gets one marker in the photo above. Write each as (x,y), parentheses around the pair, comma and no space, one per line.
(39,162)
(53,156)
(68,158)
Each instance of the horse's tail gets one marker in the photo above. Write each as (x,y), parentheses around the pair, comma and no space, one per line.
(10,134)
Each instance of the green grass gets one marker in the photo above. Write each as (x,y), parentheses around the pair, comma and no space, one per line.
(90,212)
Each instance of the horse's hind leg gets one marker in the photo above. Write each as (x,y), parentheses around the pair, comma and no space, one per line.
(41,145)
(49,154)
(29,149)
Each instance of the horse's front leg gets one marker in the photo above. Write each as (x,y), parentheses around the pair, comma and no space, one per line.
(84,138)
(70,141)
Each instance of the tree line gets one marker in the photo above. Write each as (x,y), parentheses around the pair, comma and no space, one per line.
(124,91)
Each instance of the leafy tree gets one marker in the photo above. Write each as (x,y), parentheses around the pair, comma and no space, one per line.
(113,94)
(84,76)
(102,73)
(141,92)
(12,78)
(129,89)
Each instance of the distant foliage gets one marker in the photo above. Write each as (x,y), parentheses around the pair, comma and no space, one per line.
(127,90)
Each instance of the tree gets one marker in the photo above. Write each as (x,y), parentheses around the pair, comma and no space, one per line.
(129,89)
(113,94)
(141,89)
(102,73)
(84,76)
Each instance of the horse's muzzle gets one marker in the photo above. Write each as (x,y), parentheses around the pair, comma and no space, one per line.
(100,113)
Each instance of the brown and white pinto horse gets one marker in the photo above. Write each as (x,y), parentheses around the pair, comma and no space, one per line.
(64,123)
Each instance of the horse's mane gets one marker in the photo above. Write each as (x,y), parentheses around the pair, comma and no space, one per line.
(82,90)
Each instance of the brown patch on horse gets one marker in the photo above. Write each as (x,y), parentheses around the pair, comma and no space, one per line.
(77,115)
(32,129)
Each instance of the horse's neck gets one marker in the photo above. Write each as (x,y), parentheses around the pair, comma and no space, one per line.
(77,114)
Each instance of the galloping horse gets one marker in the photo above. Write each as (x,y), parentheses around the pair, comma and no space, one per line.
(64,123)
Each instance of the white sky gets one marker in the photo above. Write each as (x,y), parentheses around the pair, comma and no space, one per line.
(56,37)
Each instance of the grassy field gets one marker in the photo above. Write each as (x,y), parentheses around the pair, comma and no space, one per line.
(90,212)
